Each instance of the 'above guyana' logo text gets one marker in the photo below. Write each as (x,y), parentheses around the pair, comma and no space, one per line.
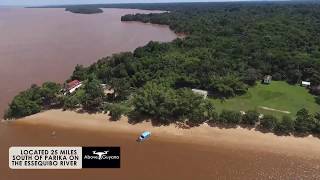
(101,157)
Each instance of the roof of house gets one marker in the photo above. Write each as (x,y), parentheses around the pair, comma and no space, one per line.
(200,91)
(267,77)
(305,82)
(73,84)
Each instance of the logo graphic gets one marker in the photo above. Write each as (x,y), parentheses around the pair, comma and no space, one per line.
(101,157)
(100,154)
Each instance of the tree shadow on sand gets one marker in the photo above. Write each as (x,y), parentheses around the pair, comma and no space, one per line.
(84,111)
(134,118)
(230,125)
(223,126)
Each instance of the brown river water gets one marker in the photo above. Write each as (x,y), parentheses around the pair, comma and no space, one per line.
(155,159)
(37,45)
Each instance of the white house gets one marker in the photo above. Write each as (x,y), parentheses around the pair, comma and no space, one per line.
(305,83)
(267,79)
(201,92)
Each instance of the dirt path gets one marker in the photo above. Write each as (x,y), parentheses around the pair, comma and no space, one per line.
(271,109)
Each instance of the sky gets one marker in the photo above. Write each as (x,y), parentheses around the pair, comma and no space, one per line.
(58,2)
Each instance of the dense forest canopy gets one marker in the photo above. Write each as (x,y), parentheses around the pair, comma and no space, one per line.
(244,41)
(228,48)
(249,41)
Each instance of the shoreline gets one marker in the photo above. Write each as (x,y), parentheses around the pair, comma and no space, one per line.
(234,138)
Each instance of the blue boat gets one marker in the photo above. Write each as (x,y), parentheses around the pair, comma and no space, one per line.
(145,135)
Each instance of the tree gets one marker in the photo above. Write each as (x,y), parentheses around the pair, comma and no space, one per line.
(316,128)
(49,93)
(21,107)
(294,76)
(93,95)
(211,114)
(304,122)
(25,103)
(230,117)
(70,102)
(191,106)
(251,117)
(227,86)
(79,73)
(165,104)
(318,100)
(286,126)
(155,100)
(268,122)
(121,88)
(251,77)
(197,116)
(116,112)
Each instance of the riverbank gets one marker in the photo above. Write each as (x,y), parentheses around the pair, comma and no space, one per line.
(238,138)
(171,153)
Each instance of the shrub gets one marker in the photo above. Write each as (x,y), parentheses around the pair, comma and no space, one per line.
(285,126)
(117,110)
(251,117)
(93,95)
(230,117)
(48,92)
(196,117)
(25,103)
(268,122)
(155,101)
(201,111)
(115,113)
(32,100)
(318,100)
(70,102)
(211,115)
(304,122)
(21,107)
(316,128)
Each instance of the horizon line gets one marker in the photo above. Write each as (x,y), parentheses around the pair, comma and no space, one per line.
(169,2)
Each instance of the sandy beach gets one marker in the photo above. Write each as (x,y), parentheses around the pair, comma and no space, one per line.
(171,153)
(234,137)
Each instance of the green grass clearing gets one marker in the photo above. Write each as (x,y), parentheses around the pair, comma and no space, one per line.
(272,99)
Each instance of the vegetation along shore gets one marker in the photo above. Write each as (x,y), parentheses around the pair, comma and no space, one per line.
(229,50)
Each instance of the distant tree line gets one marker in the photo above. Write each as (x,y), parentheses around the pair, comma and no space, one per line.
(84,10)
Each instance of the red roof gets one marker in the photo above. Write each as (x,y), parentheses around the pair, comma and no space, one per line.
(73,84)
